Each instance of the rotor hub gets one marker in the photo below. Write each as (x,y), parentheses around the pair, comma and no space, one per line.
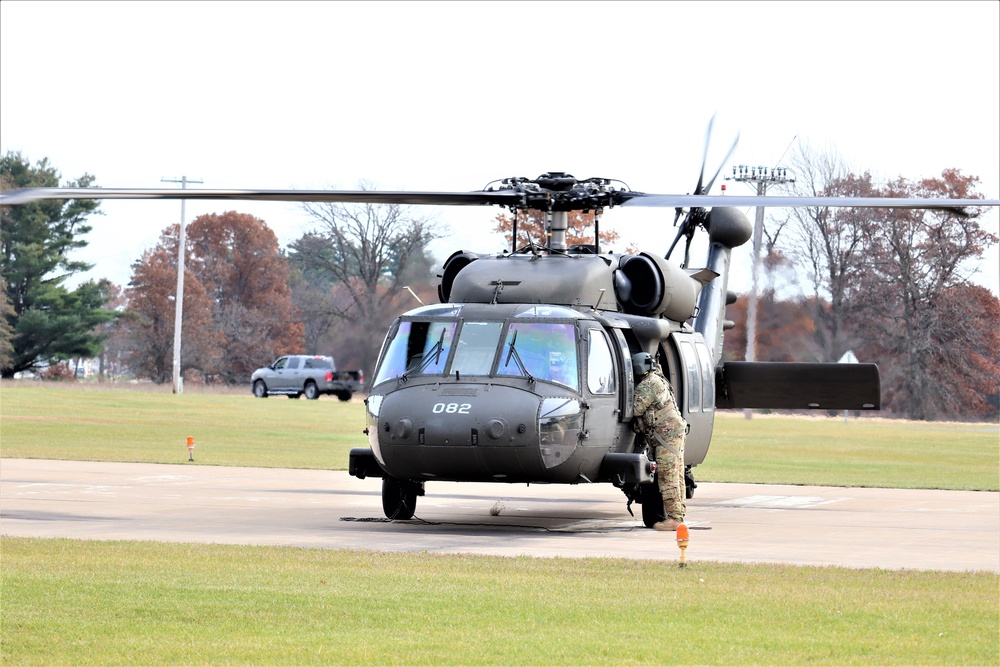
(559,191)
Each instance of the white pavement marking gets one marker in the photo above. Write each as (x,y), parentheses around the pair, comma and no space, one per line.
(781,501)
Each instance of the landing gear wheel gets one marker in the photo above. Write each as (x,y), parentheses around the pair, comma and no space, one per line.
(260,389)
(652,505)
(689,483)
(399,498)
(312,391)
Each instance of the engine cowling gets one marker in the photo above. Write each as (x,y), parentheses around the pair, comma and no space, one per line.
(646,284)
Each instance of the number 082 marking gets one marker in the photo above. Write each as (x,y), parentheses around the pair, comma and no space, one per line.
(452,408)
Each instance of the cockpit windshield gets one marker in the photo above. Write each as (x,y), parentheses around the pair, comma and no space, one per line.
(477,347)
(418,348)
(544,351)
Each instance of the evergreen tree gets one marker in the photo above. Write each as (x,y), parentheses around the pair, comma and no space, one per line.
(48,321)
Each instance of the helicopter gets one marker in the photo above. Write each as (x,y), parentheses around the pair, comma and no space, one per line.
(523,372)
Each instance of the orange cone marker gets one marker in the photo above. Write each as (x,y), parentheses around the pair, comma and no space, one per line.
(190,448)
(682,540)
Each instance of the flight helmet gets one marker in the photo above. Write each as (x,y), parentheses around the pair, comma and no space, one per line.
(642,363)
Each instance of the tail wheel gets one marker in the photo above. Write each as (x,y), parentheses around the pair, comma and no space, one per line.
(260,389)
(652,505)
(311,391)
(399,498)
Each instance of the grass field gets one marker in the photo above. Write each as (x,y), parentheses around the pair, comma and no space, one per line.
(73,603)
(77,422)
(68,602)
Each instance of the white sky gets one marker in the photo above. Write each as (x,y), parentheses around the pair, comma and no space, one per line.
(449,96)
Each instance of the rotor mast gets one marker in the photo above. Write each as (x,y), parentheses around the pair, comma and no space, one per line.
(558,223)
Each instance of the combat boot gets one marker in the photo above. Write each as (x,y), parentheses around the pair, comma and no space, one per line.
(668,525)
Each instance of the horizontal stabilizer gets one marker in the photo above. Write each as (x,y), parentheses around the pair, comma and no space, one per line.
(797,386)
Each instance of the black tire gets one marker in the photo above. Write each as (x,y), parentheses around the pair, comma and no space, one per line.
(689,483)
(311,391)
(399,498)
(295,395)
(344,396)
(652,505)
(260,389)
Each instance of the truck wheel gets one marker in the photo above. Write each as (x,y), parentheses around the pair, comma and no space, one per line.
(652,504)
(311,391)
(295,395)
(344,396)
(260,389)
(399,498)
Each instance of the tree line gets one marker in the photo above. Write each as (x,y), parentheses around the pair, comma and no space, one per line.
(890,285)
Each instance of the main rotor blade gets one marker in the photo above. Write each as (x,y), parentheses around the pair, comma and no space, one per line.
(707,201)
(479,198)
(501,198)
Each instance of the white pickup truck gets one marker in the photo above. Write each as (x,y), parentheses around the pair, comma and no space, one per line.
(297,374)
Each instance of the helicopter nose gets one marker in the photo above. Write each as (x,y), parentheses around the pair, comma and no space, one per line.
(460,431)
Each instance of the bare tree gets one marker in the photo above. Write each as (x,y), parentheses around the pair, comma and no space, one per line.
(366,252)
(828,244)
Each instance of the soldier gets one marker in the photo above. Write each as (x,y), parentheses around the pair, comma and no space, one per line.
(660,422)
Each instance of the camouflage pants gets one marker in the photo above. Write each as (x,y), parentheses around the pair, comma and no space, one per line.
(670,477)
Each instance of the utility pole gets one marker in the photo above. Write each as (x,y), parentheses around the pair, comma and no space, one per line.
(179,296)
(763,178)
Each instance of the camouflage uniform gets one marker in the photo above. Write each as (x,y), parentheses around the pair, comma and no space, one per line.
(661,423)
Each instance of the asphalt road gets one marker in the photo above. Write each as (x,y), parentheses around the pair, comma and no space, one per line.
(803,525)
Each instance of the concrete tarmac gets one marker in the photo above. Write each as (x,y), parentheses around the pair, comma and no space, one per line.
(801,525)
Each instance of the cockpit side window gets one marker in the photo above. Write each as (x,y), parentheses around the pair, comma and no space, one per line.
(418,348)
(543,350)
(600,365)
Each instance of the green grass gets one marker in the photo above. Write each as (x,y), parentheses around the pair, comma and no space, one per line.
(866,452)
(79,602)
(125,424)
(77,422)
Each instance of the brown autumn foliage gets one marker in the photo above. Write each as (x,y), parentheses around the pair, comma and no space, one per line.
(916,309)
(955,345)
(149,320)
(784,330)
(531,229)
(888,284)
(238,314)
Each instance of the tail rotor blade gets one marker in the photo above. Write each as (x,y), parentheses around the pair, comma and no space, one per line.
(722,164)
(704,155)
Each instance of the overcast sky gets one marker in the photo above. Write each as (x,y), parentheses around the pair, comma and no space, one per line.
(449,96)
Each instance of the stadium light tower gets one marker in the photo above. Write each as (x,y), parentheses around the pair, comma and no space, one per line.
(763,178)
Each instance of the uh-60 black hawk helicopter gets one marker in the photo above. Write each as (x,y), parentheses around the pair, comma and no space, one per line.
(523,373)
